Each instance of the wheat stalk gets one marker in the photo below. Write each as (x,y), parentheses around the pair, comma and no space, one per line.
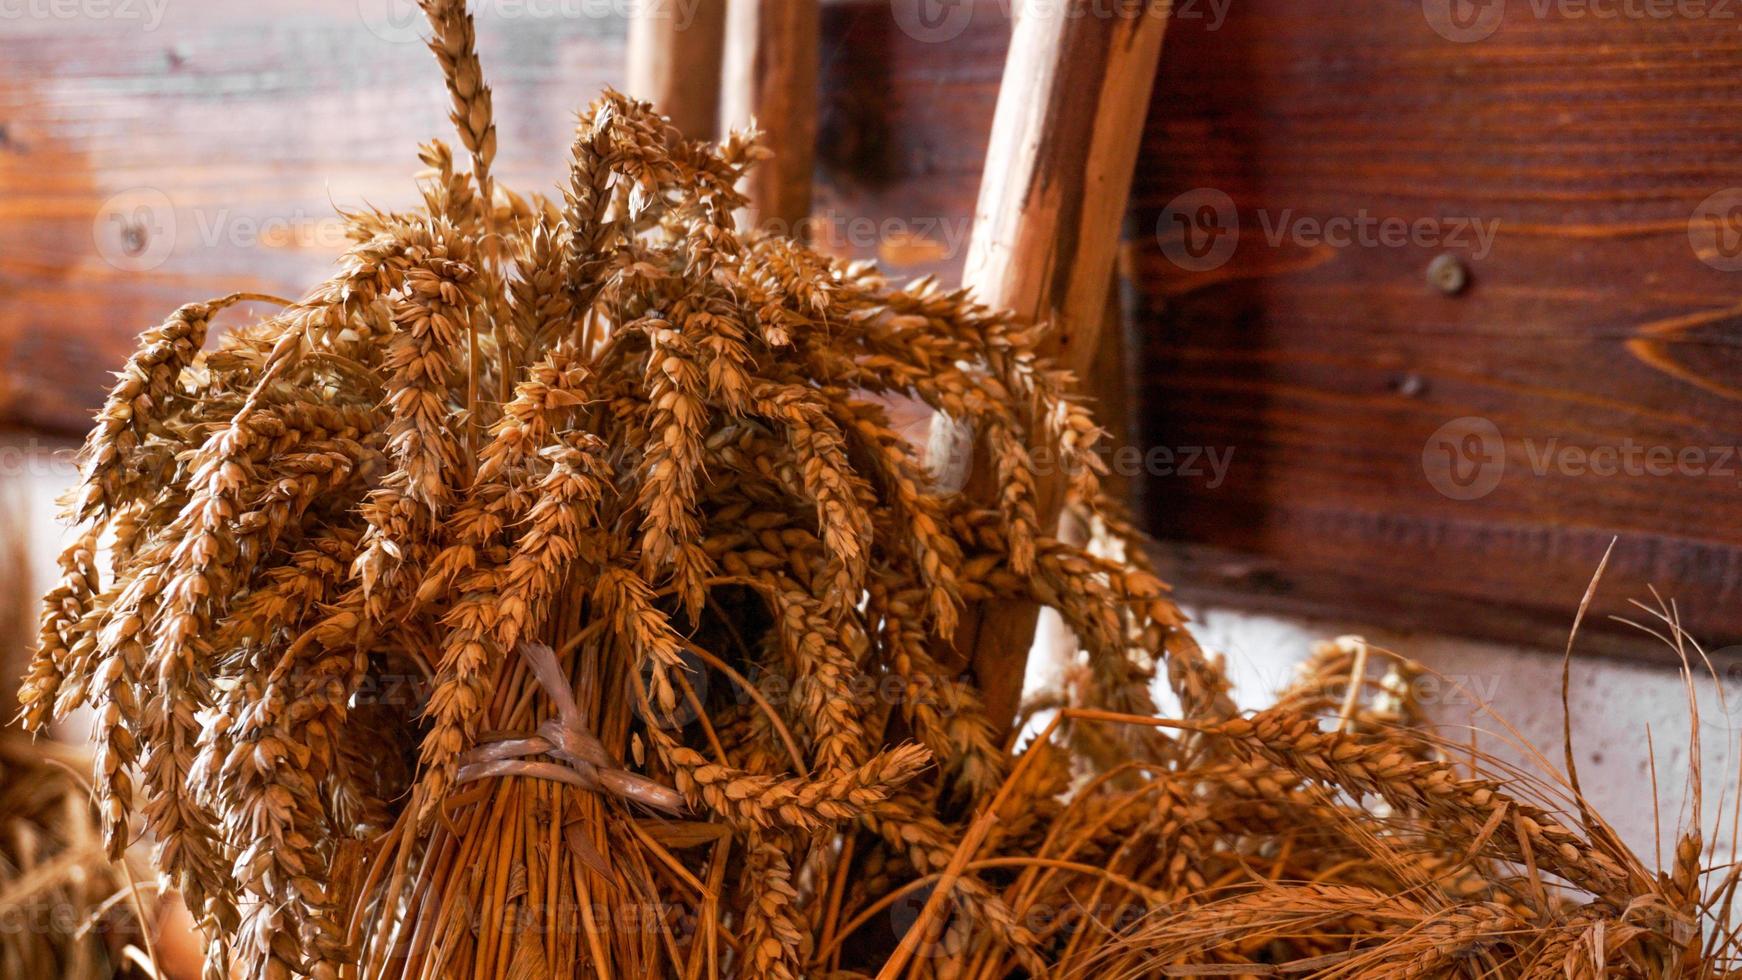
(645,665)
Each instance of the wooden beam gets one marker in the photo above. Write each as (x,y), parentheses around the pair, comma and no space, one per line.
(1064,141)
(770,77)
(674,62)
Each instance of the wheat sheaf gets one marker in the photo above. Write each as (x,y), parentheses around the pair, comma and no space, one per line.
(550,593)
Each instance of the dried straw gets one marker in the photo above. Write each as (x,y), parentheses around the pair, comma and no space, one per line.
(548,594)
(65,910)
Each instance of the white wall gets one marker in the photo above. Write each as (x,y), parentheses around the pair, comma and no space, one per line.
(33,473)
(1613,706)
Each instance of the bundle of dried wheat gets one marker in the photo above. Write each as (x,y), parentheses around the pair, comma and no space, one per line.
(65,910)
(549,594)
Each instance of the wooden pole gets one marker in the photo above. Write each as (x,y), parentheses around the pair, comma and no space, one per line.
(1064,142)
(674,61)
(770,76)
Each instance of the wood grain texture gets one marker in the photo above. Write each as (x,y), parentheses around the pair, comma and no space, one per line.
(1065,136)
(903,129)
(146,165)
(674,62)
(1324,369)
(1589,323)
(770,79)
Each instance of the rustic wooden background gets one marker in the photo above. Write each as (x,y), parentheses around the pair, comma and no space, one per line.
(145,162)
(1592,142)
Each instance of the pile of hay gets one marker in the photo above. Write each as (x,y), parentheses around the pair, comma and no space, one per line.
(548,594)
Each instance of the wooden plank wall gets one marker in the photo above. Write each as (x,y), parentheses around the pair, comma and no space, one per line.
(147,161)
(1584,138)
(1592,356)
(148,164)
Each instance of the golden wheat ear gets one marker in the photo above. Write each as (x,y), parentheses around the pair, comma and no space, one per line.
(652,663)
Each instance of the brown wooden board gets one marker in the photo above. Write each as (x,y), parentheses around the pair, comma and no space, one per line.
(172,150)
(1588,325)
(153,153)
(1590,320)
